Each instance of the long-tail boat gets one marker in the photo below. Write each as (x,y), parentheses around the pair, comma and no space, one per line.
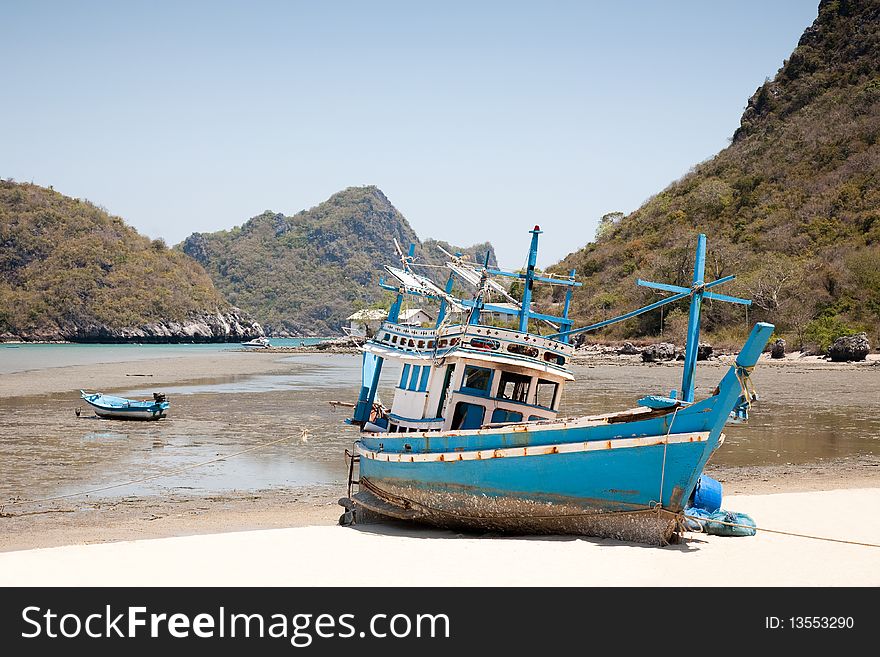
(120,408)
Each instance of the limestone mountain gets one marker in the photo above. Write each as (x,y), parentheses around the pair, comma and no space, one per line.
(792,206)
(70,271)
(304,274)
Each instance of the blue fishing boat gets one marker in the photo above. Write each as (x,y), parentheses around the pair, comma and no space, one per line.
(120,408)
(474,439)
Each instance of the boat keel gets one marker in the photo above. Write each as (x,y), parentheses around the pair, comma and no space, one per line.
(508,515)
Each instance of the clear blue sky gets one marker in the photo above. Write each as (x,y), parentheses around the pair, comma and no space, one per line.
(478,120)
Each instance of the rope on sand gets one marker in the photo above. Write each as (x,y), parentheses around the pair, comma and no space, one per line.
(150,477)
(778,531)
(656,509)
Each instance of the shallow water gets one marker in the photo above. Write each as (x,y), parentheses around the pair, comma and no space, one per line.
(805,415)
(26,357)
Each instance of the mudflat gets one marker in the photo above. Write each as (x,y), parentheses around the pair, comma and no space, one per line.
(51,454)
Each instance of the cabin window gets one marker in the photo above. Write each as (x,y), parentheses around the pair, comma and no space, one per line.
(468,416)
(423,382)
(421,344)
(404,377)
(522,350)
(414,378)
(453,342)
(503,415)
(412,343)
(484,343)
(393,339)
(430,344)
(443,342)
(514,387)
(550,357)
(476,380)
(546,393)
(532,418)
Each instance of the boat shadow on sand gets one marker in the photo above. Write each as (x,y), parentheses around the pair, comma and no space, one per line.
(403,529)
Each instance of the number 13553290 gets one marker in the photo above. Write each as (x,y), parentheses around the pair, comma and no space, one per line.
(809,623)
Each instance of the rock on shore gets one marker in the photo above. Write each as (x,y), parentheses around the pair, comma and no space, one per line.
(778,349)
(848,348)
(659,352)
(221,326)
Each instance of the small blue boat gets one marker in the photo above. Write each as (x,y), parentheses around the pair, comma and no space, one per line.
(120,408)
(473,438)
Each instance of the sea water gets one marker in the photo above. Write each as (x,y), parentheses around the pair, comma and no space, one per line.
(21,357)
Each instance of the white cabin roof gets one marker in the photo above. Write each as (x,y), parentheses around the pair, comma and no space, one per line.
(408,314)
(368,314)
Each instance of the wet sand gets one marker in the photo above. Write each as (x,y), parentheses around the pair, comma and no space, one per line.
(322,555)
(152,373)
(175,512)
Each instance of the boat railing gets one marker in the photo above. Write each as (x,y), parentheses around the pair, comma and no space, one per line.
(488,340)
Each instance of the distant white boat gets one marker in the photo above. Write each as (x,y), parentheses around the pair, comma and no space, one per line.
(260,343)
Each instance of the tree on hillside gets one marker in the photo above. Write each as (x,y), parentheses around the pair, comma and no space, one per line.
(607,224)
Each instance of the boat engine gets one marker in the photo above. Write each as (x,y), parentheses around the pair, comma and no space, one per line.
(159,397)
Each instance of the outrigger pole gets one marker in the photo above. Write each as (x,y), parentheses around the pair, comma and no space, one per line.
(697,292)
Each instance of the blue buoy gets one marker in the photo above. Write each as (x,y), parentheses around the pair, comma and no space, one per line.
(707,494)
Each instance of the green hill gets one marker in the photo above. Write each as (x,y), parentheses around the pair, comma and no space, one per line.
(70,271)
(792,205)
(303,275)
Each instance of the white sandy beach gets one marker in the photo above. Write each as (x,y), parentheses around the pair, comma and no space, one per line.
(403,555)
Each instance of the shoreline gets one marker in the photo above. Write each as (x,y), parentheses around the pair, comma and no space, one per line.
(81,521)
(792,553)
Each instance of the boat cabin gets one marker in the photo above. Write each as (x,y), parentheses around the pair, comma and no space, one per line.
(471,376)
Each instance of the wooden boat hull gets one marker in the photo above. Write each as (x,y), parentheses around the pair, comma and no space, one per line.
(608,488)
(626,476)
(129,415)
(117,408)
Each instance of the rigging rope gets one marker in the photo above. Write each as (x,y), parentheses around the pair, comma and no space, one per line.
(665,446)
(744,376)
(779,531)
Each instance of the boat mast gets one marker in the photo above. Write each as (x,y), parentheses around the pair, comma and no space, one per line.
(693,333)
(450,282)
(529,281)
